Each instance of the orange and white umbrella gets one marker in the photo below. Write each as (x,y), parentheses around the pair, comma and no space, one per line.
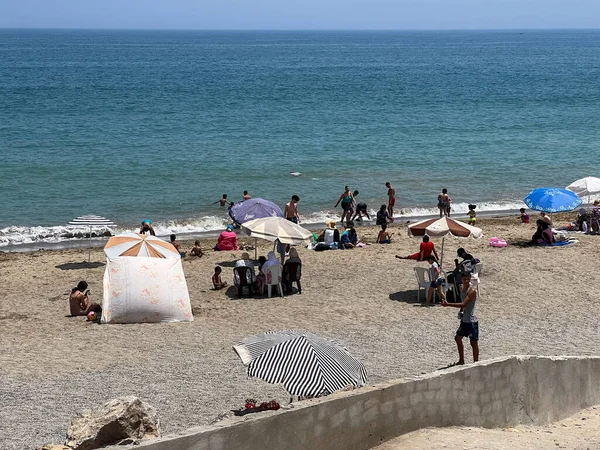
(132,244)
(442,227)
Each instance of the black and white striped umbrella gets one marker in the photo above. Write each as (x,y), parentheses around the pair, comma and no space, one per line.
(306,364)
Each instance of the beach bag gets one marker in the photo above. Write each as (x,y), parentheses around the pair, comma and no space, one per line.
(320,246)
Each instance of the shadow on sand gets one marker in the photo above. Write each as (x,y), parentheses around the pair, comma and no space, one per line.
(81,265)
(408,296)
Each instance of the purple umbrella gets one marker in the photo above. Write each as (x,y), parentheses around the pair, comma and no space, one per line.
(254,208)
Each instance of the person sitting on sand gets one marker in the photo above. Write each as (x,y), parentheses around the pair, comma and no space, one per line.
(330,234)
(222,201)
(147,228)
(349,238)
(197,250)
(546,218)
(435,275)
(175,244)
(382,216)
(218,283)
(469,324)
(79,301)
(227,240)
(524,216)
(425,249)
(384,237)
(543,234)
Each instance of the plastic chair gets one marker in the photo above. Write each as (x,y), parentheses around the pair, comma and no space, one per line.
(424,280)
(477,271)
(242,277)
(292,272)
(273,278)
(422,275)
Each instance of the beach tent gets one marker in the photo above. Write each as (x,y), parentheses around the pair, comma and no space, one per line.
(144,282)
(442,227)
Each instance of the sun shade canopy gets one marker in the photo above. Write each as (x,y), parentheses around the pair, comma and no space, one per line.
(133,244)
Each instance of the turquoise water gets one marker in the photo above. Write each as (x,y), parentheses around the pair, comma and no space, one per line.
(158,124)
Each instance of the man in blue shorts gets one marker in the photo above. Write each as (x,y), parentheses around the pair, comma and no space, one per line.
(469,325)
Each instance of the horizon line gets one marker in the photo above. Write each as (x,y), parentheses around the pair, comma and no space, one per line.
(301,29)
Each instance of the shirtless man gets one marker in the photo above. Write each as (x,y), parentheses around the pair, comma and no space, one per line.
(222,201)
(175,244)
(391,200)
(246,196)
(291,210)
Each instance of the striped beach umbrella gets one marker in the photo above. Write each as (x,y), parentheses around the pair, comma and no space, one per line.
(133,244)
(90,222)
(441,227)
(306,364)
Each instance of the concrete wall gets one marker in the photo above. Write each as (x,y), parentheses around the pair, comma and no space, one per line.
(494,393)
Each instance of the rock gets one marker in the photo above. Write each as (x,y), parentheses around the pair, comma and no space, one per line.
(54,447)
(123,418)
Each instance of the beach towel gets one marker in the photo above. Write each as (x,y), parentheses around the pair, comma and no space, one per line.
(559,244)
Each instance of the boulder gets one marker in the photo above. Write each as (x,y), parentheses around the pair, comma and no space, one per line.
(54,447)
(124,420)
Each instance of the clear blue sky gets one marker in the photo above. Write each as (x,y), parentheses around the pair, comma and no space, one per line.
(301,14)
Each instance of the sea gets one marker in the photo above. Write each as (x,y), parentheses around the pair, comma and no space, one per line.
(135,125)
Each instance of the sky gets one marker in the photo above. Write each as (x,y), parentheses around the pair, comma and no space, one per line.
(300,14)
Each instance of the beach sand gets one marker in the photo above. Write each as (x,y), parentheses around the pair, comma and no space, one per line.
(540,301)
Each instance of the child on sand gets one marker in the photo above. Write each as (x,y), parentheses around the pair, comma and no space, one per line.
(472,214)
(175,244)
(384,237)
(383,216)
(196,250)
(524,216)
(469,324)
(222,201)
(216,279)
(435,275)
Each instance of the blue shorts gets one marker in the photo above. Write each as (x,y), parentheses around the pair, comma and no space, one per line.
(293,219)
(436,283)
(470,330)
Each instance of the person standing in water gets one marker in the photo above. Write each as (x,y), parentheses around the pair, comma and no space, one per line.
(346,200)
(444,203)
(391,193)
(246,196)
(222,201)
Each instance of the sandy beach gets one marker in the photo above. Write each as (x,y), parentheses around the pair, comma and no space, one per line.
(539,301)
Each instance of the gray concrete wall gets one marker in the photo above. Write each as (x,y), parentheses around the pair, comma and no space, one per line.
(493,393)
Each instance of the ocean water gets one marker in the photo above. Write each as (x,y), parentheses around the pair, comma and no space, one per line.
(158,124)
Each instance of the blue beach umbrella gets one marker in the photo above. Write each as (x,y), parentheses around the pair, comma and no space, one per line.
(552,200)
(254,208)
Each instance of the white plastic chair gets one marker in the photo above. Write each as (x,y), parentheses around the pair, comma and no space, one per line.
(424,280)
(422,275)
(273,278)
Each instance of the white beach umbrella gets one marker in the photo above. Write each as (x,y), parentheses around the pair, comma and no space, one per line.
(442,227)
(585,186)
(277,229)
(90,222)
(133,244)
